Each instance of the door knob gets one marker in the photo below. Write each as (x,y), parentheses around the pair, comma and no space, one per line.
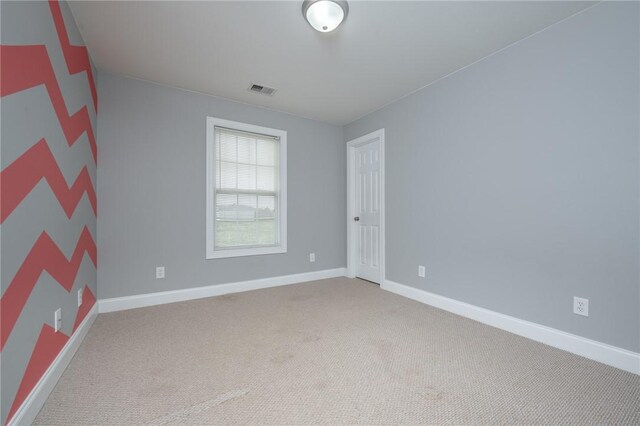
(356,218)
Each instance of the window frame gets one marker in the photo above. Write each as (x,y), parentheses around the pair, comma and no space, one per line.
(211,252)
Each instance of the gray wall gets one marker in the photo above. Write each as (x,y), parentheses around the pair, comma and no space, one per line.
(515,180)
(151,190)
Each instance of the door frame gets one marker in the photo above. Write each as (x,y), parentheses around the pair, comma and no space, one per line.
(352,254)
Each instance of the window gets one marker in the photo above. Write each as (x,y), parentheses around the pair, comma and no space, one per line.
(246,189)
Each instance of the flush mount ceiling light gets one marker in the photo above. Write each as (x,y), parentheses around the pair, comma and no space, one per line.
(324,15)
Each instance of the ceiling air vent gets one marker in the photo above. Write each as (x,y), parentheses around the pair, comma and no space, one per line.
(264,90)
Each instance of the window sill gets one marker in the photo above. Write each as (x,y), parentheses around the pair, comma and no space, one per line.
(255,251)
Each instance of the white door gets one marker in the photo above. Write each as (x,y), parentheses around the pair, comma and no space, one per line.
(366,218)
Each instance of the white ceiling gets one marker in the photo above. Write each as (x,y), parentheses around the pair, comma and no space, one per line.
(383,50)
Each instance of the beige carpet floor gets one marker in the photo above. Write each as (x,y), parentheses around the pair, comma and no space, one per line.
(329,352)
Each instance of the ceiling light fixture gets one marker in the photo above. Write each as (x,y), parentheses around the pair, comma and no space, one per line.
(325,15)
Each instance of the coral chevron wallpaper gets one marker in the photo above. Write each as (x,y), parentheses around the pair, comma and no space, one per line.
(48,205)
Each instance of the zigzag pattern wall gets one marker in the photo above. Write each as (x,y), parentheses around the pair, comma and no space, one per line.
(48,205)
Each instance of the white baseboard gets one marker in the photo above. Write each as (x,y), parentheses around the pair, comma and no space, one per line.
(597,351)
(159,298)
(31,406)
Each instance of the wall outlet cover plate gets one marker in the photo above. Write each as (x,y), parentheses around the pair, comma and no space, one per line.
(57,319)
(421,271)
(581,306)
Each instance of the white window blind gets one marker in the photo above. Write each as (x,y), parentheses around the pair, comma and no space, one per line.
(246,196)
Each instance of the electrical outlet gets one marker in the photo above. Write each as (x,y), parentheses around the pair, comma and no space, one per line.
(421,271)
(312,257)
(80,291)
(581,306)
(160,272)
(57,319)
